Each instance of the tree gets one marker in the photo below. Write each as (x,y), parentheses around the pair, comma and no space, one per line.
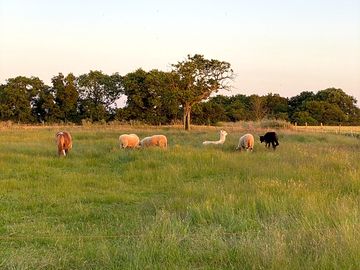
(135,89)
(330,106)
(325,112)
(149,97)
(344,104)
(98,93)
(258,108)
(206,113)
(234,108)
(166,105)
(3,106)
(45,109)
(19,97)
(297,104)
(303,117)
(66,96)
(276,106)
(239,108)
(196,78)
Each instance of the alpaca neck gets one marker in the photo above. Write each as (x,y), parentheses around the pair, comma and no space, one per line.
(222,138)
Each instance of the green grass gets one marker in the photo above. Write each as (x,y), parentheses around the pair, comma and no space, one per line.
(187,207)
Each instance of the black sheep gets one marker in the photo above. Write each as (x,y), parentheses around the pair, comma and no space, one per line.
(270,137)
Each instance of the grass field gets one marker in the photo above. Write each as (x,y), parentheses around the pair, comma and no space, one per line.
(188,207)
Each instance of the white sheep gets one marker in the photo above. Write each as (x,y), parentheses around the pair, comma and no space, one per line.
(129,141)
(223,134)
(155,140)
(246,142)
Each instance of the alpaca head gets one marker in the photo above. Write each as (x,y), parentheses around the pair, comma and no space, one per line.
(223,134)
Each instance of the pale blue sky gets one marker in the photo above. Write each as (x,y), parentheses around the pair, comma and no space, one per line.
(274,46)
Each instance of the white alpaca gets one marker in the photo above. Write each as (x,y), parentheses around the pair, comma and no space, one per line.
(223,134)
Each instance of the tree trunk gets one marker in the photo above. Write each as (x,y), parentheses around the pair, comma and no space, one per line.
(187,112)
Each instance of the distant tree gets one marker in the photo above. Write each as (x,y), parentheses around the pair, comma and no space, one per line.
(240,108)
(325,112)
(208,113)
(297,104)
(98,93)
(235,107)
(18,98)
(45,109)
(258,107)
(3,106)
(136,91)
(342,103)
(149,97)
(66,94)
(330,106)
(196,78)
(303,117)
(166,105)
(276,106)
(354,119)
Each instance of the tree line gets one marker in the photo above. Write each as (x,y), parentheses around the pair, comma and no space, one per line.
(331,106)
(159,97)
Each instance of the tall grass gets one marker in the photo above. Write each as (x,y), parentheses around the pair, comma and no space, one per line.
(187,207)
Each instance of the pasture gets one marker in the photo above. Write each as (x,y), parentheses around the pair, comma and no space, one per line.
(187,207)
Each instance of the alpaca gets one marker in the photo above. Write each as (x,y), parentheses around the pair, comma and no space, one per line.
(155,140)
(223,134)
(129,141)
(64,142)
(246,142)
(270,137)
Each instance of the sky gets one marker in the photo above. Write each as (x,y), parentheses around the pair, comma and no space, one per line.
(277,46)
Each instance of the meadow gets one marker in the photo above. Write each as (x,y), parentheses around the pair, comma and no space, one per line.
(187,207)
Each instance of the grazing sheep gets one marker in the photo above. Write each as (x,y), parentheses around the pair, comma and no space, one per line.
(129,141)
(155,140)
(270,137)
(223,134)
(64,142)
(246,142)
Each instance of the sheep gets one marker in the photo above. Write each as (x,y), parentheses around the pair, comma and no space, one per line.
(129,141)
(223,134)
(270,137)
(246,142)
(64,142)
(155,140)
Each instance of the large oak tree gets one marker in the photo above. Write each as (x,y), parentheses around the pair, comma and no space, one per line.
(196,78)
